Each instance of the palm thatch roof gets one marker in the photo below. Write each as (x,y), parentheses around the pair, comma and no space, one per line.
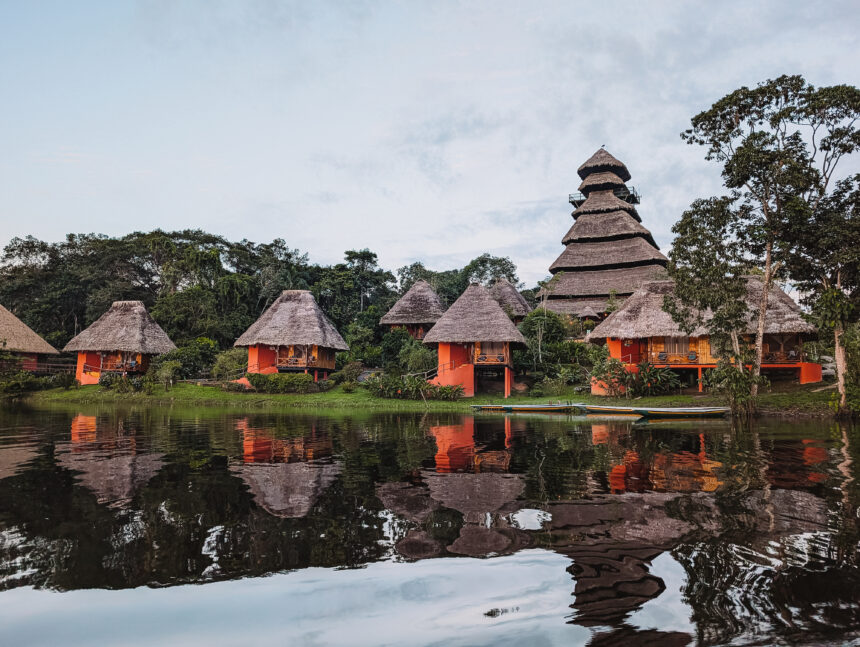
(606,226)
(642,314)
(294,319)
(582,308)
(419,305)
(610,253)
(602,282)
(600,182)
(602,160)
(509,298)
(475,316)
(604,202)
(127,327)
(20,338)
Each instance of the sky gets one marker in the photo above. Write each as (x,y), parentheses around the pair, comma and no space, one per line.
(425,131)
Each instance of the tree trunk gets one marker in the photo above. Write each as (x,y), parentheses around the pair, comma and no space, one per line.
(839,356)
(736,346)
(762,313)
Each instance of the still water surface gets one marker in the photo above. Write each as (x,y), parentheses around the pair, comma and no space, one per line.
(141,527)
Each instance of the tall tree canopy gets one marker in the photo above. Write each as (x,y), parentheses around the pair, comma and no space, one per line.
(779,145)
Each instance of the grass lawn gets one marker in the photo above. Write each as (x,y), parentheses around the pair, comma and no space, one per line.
(784,399)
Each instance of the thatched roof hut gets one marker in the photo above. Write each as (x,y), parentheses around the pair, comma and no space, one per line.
(474,317)
(19,338)
(510,299)
(419,305)
(114,478)
(294,319)
(607,250)
(126,327)
(642,315)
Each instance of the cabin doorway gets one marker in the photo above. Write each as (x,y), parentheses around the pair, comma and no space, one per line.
(490,380)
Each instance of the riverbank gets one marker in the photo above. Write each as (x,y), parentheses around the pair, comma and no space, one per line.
(789,401)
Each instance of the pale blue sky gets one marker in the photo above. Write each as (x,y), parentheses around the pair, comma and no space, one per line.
(425,131)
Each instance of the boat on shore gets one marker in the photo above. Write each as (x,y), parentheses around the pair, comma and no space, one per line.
(606,410)
(657,412)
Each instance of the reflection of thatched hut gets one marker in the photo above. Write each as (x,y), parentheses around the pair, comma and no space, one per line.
(287,490)
(114,478)
(475,495)
(642,330)
(122,340)
(607,250)
(16,337)
(412,502)
(510,299)
(417,310)
(13,457)
(475,333)
(293,334)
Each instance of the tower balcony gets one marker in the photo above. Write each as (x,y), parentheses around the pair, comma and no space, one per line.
(628,194)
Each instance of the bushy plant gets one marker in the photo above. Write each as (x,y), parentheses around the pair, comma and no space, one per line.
(734,385)
(64,381)
(108,381)
(653,380)
(612,373)
(283,382)
(230,364)
(349,387)
(410,387)
(168,372)
(19,382)
(195,358)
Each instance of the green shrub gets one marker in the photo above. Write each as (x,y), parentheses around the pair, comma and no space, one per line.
(651,380)
(64,381)
(410,387)
(283,382)
(349,387)
(22,382)
(168,372)
(230,364)
(195,358)
(733,385)
(108,381)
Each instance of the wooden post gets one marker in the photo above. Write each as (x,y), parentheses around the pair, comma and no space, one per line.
(701,388)
(315,376)
(508,379)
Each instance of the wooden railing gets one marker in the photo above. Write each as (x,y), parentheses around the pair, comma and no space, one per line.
(496,358)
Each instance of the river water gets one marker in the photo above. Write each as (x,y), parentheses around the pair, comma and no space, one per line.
(198,527)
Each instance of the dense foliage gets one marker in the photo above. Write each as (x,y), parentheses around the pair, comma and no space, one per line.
(411,388)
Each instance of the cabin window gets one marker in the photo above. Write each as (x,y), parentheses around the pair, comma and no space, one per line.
(677,345)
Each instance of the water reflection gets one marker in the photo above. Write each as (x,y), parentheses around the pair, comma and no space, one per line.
(669,533)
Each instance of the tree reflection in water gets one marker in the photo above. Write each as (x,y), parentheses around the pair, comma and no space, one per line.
(762,521)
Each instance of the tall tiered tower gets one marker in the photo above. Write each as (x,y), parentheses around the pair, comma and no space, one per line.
(607,250)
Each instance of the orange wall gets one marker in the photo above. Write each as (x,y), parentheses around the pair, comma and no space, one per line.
(455,368)
(614,346)
(262,359)
(93,361)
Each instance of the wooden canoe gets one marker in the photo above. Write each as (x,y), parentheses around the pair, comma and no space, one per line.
(658,412)
(507,408)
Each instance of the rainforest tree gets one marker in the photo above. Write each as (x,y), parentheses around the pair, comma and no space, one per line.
(779,145)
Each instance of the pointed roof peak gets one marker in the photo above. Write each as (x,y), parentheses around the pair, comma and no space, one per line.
(510,298)
(475,316)
(294,319)
(126,326)
(419,305)
(603,160)
(15,335)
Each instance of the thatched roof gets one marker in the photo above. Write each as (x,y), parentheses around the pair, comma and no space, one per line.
(19,337)
(287,490)
(642,314)
(294,319)
(419,305)
(606,226)
(114,478)
(126,326)
(611,253)
(602,282)
(580,307)
(475,316)
(509,298)
(600,182)
(603,161)
(604,202)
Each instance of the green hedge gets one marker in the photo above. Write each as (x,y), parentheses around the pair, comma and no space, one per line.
(284,383)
